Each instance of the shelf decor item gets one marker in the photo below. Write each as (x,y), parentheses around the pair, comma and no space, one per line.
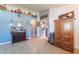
(11,10)
(34,16)
(66,16)
(29,14)
(3,7)
(18,11)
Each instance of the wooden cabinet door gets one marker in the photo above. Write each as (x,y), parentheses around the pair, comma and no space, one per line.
(18,37)
(14,37)
(58,33)
(23,36)
(67,35)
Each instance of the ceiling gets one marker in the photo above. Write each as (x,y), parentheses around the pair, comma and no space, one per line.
(41,7)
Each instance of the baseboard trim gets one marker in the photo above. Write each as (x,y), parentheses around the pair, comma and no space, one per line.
(76,51)
(6,43)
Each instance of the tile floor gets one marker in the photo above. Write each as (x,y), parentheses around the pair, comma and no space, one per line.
(32,46)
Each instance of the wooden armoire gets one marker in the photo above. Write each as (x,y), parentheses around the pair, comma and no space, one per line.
(64,31)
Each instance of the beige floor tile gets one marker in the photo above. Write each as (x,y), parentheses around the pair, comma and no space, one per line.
(32,46)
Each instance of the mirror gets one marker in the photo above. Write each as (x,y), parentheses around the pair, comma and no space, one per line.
(19,24)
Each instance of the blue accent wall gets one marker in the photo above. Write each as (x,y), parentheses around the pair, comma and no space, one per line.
(5,16)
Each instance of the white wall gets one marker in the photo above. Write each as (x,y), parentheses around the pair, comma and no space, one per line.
(54,14)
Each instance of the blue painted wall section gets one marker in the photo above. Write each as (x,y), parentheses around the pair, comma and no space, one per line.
(5,16)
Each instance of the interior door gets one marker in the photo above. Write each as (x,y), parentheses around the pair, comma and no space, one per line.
(67,35)
(58,33)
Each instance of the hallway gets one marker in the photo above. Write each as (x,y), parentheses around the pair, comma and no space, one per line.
(32,46)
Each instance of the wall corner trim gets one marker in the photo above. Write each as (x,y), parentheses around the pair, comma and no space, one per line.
(9,42)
